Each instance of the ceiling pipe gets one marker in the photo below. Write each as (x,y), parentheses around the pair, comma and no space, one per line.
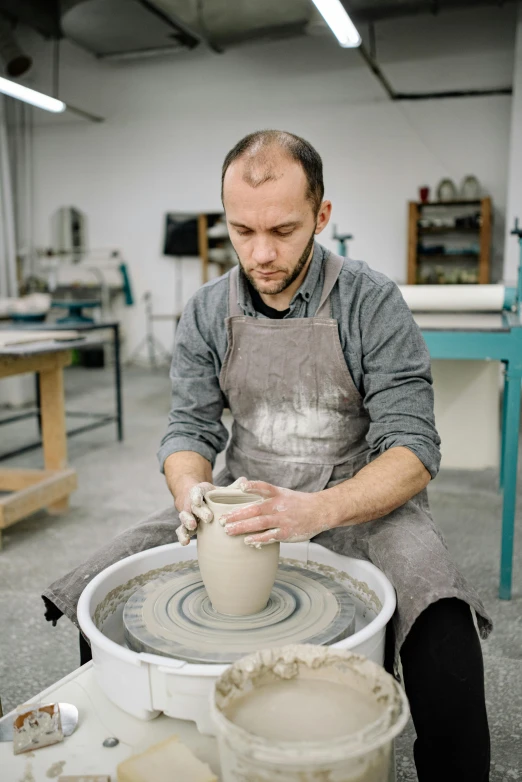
(185,35)
(399,96)
(380,13)
(16,62)
(404,96)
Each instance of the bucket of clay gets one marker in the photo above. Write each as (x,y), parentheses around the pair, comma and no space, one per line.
(303,713)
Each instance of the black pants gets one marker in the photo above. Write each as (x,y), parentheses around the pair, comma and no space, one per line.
(444,681)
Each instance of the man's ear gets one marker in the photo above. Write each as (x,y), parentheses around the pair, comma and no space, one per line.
(323,216)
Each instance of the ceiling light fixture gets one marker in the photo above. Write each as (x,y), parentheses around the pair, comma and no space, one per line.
(33,97)
(337,19)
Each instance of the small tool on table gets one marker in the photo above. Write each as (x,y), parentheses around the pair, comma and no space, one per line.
(38,725)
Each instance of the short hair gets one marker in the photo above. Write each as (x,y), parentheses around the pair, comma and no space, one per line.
(257,144)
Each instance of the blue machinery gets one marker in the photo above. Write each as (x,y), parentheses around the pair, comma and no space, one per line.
(498,343)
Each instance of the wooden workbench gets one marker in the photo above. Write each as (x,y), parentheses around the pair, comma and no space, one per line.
(31,490)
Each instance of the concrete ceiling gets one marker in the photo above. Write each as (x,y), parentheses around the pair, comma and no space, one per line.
(126,27)
(451,37)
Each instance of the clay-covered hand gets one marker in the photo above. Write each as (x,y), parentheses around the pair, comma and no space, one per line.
(285,515)
(195,509)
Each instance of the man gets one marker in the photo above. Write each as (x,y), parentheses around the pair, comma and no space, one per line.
(328,381)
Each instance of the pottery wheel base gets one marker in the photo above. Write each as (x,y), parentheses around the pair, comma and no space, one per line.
(173,616)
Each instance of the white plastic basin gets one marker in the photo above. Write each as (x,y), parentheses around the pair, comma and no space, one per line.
(145,685)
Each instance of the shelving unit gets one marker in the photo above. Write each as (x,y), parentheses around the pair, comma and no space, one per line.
(187,235)
(208,243)
(462,220)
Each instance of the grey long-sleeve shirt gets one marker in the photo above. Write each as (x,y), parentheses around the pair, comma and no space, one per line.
(383,347)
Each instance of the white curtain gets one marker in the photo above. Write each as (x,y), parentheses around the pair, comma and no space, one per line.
(16,240)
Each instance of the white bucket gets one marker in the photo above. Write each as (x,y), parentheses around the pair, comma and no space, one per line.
(363,754)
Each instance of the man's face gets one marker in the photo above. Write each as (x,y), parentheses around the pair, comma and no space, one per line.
(271,226)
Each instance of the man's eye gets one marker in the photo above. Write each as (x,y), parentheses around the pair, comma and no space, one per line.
(243,233)
(283,233)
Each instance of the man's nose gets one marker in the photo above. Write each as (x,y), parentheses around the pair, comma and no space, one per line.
(264,250)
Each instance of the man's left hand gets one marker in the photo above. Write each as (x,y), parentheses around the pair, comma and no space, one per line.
(285,515)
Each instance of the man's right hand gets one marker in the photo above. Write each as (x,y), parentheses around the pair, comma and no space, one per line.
(196,510)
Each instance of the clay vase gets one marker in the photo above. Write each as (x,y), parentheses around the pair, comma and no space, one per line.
(238,578)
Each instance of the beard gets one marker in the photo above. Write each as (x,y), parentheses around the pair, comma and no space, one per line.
(283,284)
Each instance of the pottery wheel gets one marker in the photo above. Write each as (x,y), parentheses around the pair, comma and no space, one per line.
(173,616)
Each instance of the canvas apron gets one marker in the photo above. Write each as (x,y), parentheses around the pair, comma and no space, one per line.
(300,423)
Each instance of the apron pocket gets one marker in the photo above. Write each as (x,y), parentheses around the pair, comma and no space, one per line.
(298,476)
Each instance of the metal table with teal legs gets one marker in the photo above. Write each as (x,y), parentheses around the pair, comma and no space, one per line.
(491,337)
(470,337)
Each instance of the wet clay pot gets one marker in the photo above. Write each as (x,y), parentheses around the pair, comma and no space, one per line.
(238,578)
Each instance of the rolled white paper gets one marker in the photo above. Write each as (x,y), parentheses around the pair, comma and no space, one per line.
(453,298)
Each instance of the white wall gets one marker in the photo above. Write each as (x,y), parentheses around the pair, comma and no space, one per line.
(169,124)
(514,203)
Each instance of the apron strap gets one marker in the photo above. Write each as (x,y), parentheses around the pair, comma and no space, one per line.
(233,306)
(333,265)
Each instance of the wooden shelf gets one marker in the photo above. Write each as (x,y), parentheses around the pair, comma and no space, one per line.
(439,229)
(474,202)
(415,231)
(450,283)
(446,256)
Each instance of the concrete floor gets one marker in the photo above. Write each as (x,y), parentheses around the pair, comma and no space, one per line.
(119,484)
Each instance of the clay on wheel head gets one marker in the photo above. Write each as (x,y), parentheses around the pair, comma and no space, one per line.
(237,577)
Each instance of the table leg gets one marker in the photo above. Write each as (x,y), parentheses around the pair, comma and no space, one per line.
(38,411)
(503,433)
(117,381)
(54,437)
(511,437)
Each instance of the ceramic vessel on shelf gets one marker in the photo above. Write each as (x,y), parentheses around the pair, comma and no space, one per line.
(446,190)
(237,577)
(424,193)
(470,189)
(219,254)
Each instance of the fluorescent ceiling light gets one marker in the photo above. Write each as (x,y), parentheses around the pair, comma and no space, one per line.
(38,99)
(335,16)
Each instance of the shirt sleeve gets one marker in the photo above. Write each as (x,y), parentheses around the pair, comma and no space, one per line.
(397,381)
(194,422)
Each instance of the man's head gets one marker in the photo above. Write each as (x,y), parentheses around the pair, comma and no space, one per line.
(272,191)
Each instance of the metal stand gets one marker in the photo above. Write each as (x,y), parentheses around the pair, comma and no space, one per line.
(518,232)
(509,450)
(342,239)
(156,352)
